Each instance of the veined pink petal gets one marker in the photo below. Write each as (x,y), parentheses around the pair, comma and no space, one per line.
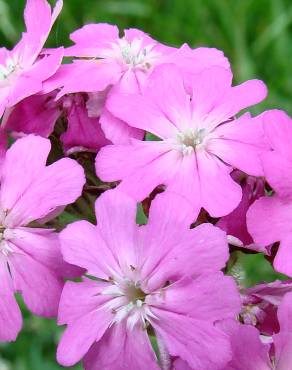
(199,343)
(78,299)
(82,236)
(114,162)
(81,335)
(116,219)
(44,247)
(186,182)
(160,171)
(165,86)
(121,349)
(39,286)
(210,297)
(214,180)
(139,159)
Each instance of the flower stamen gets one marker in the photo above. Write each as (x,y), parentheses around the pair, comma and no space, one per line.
(191,140)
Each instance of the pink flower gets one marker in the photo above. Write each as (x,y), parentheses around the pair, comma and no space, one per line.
(127,61)
(269,219)
(122,64)
(201,141)
(249,352)
(23,69)
(162,275)
(30,258)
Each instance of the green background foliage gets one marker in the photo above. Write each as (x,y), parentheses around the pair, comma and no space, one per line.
(256,35)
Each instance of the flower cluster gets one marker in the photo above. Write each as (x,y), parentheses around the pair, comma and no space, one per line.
(144,146)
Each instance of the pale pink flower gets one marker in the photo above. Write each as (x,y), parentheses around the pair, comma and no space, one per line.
(162,275)
(24,68)
(200,139)
(112,64)
(269,219)
(30,258)
(127,61)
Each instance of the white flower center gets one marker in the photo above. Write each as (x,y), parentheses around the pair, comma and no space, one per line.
(128,302)
(8,70)
(133,54)
(191,140)
(5,249)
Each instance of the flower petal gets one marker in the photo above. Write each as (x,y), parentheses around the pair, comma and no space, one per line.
(82,245)
(220,194)
(13,183)
(10,315)
(56,185)
(81,334)
(141,112)
(40,287)
(121,349)
(199,343)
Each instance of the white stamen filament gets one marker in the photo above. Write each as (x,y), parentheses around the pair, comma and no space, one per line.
(128,302)
(133,53)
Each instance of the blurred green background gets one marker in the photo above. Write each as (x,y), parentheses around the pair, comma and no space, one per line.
(256,35)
